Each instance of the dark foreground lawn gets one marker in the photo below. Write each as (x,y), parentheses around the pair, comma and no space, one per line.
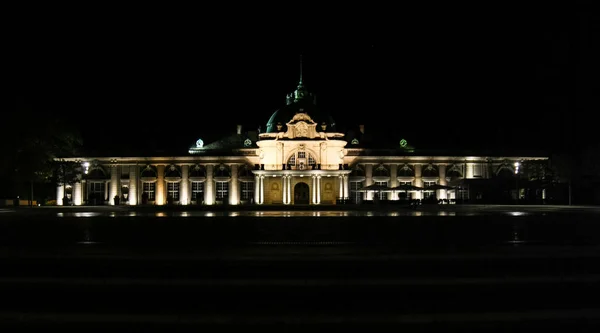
(484,273)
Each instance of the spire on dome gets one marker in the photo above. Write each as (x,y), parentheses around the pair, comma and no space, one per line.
(300,92)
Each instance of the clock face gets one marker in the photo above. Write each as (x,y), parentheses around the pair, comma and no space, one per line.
(247,142)
(403,143)
(199,143)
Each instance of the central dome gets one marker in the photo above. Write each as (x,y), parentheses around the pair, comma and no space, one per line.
(300,101)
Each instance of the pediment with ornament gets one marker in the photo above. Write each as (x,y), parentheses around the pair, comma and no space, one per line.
(301,126)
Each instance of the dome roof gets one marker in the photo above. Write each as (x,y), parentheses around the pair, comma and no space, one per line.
(300,101)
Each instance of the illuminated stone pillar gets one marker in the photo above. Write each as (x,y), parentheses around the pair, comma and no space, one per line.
(84,191)
(346,186)
(393,181)
(262,189)
(77,192)
(114,183)
(257,190)
(418,180)
(369,180)
(184,189)
(314,189)
(133,185)
(318,189)
(341,186)
(60,193)
(442,194)
(284,186)
(209,191)
(289,188)
(234,189)
(470,170)
(160,185)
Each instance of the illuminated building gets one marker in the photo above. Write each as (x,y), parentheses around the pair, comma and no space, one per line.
(300,158)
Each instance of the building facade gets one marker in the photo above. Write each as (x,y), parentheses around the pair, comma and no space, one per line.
(300,159)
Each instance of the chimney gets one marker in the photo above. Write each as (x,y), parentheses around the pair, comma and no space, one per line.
(362,128)
(239,129)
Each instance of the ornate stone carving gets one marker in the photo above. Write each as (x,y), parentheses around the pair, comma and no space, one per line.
(302,117)
(301,130)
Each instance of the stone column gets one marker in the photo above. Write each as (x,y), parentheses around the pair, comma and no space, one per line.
(418,180)
(114,183)
(393,181)
(84,191)
(314,189)
(470,170)
(184,188)
(160,185)
(369,180)
(60,193)
(262,189)
(341,187)
(289,188)
(133,185)
(256,189)
(77,192)
(318,189)
(234,188)
(209,188)
(442,194)
(346,187)
(284,186)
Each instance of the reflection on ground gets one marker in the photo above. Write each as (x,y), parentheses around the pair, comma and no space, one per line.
(351,211)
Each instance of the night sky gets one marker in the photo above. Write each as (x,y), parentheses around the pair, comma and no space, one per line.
(495,80)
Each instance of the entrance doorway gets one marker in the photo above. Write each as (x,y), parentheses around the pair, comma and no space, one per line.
(301,194)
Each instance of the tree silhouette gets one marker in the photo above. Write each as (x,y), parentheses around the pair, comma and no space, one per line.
(31,144)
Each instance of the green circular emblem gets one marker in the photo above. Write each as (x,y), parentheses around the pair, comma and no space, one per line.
(403,143)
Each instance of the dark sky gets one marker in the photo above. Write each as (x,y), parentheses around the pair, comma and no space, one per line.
(495,79)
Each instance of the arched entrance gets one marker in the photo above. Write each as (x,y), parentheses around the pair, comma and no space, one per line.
(301,194)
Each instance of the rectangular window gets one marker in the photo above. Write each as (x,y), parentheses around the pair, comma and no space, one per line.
(173,190)
(148,189)
(428,194)
(198,191)
(356,196)
(301,154)
(404,195)
(247,190)
(222,190)
(382,195)
(97,188)
(96,192)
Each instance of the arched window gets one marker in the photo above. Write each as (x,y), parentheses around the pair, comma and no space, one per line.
(172,171)
(197,171)
(148,172)
(357,171)
(454,172)
(301,160)
(406,171)
(430,171)
(381,171)
(222,171)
